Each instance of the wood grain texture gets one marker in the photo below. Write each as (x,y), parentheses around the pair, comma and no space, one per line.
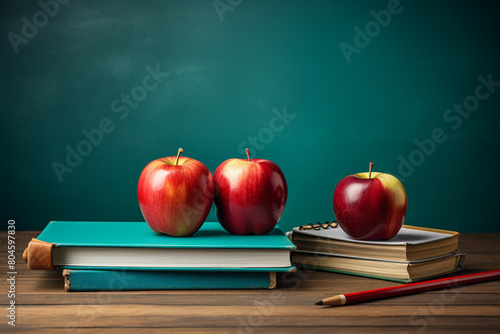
(43,306)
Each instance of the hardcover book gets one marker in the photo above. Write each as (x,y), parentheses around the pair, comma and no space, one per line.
(410,244)
(121,280)
(398,271)
(134,246)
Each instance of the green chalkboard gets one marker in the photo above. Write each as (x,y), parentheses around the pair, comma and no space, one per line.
(91,91)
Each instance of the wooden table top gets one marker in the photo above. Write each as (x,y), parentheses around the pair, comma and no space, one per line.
(42,305)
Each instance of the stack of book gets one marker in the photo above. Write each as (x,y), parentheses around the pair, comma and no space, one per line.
(416,253)
(130,256)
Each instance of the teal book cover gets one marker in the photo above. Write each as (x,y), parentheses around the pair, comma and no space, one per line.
(138,234)
(123,280)
(133,245)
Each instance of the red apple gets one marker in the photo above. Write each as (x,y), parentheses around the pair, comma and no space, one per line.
(250,195)
(175,195)
(370,206)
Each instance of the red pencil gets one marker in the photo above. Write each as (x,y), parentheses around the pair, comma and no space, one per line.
(356,297)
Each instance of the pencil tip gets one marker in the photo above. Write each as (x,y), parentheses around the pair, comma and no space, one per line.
(319,303)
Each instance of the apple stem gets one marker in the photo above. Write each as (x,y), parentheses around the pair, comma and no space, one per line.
(370,171)
(178,156)
(248,154)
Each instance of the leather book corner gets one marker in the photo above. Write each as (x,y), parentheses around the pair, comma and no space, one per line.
(38,254)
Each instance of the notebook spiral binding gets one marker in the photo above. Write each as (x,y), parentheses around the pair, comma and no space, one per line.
(319,226)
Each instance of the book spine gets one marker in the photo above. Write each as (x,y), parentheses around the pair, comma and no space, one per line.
(38,254)
(116,280)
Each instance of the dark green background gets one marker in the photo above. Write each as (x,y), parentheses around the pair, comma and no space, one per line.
(226,77)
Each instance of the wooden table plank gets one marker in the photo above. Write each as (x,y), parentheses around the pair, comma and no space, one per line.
(216,299)
(265,309)
(262,329)
(43,305)
(89,319)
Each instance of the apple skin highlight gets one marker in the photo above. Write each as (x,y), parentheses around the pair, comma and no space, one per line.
(175,195)
(250,195)
(370,207)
